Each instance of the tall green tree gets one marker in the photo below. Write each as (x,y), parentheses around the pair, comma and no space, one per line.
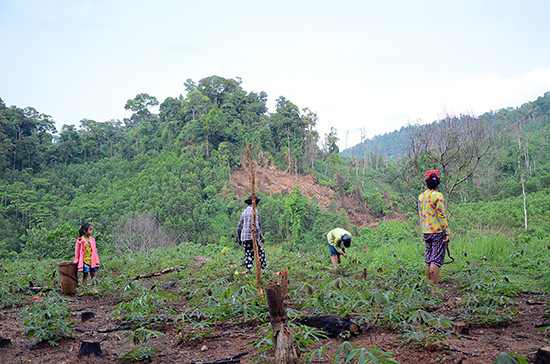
(69,144)
(140,106)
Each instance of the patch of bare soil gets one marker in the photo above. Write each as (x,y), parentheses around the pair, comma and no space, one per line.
(272,180)
(230,340)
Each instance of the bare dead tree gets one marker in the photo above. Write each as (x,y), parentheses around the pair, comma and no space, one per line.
(522,148)
(357,161)
(455,146)
(365,153)
(526,158)
(141,233)
(346,144)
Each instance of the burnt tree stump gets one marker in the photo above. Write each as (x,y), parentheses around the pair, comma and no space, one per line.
(462,328)
(285,352)
(87,316)
(90,347)
(543,355)
(4,342)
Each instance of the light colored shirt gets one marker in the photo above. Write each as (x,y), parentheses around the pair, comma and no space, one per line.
(334,238)
(431,207)
(244,230)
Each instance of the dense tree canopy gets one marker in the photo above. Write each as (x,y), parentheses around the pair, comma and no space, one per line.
(172,168)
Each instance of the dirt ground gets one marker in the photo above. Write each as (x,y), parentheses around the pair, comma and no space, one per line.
(480,345)
(272,180)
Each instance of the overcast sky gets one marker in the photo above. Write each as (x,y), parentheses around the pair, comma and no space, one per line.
(361,65)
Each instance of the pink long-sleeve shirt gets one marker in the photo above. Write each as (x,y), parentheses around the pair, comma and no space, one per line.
(80,249)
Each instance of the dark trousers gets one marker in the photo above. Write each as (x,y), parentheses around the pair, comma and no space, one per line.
(249,255)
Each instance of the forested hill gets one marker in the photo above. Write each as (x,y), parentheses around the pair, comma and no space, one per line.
(165,178)
(394,144)
(169,171)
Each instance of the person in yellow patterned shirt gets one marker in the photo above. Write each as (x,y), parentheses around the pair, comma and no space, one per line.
(85,254)
(431,207)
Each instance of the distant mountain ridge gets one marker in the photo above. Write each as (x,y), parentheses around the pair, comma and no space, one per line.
(393,144)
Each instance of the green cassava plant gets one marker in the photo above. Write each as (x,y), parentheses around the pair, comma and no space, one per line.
(144,309)
(422,328)
(487,309)
(7,297)
(505,358)
(138,339)
(316,354)
(48,319)
(352,353)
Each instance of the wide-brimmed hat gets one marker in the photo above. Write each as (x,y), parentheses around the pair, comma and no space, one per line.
(248,200)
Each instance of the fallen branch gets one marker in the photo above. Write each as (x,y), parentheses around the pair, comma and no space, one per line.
(542,325)
(122,328)
(233,359)
(331,325)
(157,273)
(460,351)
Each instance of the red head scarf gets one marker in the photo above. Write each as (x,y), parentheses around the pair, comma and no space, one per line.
(434,171)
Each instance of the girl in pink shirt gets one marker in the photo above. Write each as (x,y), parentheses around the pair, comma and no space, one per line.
(85,254)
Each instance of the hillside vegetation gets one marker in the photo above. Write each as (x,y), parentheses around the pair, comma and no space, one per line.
(173,169)
(166,190)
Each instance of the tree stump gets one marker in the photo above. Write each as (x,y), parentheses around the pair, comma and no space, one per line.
(90,347)
(543,355)
(462,328)
(87,316)
(285,352)
(4,342)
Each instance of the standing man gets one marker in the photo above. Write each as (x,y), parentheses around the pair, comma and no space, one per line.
(431,208)
(335,239)
(244,236)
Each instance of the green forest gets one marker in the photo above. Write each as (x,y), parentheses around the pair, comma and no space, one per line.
(157,188)
(171,171)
